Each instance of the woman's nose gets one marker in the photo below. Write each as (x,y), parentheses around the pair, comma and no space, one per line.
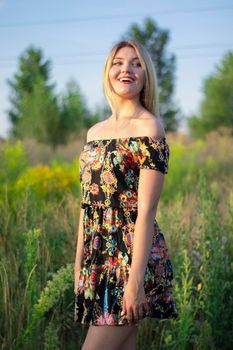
(125,67)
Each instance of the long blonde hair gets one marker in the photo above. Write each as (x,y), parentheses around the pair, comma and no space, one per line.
(149,94)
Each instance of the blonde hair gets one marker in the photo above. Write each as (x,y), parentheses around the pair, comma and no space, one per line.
(149,94)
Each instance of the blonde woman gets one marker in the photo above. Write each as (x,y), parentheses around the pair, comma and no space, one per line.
(123,272)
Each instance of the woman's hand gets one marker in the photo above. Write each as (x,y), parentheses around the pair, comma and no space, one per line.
(134,302)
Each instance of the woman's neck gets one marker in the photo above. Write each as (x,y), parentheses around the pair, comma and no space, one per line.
(127,109)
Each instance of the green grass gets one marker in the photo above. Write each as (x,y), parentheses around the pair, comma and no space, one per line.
(39,225)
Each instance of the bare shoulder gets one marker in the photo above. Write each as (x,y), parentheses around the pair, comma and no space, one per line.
(152,126)
(94,130)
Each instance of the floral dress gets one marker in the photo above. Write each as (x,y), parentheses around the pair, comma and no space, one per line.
(109,174)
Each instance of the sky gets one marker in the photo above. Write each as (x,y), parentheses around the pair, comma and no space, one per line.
(77,35)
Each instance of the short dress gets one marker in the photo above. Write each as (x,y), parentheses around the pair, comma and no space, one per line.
(109,172)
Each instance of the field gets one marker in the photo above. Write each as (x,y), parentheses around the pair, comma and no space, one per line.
(39,212)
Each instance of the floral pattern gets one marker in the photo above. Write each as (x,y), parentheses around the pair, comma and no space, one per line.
(109,173)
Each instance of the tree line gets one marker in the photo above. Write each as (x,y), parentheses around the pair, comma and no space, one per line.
(36,111)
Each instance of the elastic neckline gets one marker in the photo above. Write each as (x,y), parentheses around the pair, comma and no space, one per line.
(161,138)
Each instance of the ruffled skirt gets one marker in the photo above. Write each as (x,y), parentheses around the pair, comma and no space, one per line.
(108,245)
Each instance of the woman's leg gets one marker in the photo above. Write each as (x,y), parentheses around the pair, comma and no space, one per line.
(131,341)
(109,337)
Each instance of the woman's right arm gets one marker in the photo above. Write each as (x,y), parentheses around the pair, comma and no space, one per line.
(79,250)
(80,242)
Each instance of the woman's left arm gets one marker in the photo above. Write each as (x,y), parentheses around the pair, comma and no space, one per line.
(149,189)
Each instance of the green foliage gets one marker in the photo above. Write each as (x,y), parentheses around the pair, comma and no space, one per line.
(155,40)
(38,239)
(216,109)
(183,294)
(185,163)
(31,249)
(51,337)
(13,161)
(48,183)
(62,281)
(214,297)
(32,254)
(72,111)
(36,112)
(40,115)
(101,112)
(42,181)
(32,68)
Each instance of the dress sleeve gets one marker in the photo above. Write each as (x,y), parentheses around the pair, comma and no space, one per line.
(153,154)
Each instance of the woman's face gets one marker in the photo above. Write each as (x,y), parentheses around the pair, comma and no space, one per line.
(126,74)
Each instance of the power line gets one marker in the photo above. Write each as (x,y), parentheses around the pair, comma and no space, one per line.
(60,55)
(94,54)
(63,63)
(112,17)
(201,46)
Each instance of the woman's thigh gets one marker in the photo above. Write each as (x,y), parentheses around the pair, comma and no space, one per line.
(108,337)
(130,342)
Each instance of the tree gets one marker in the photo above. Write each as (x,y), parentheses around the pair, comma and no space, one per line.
(36,111)
(40,116)
(32,68)
(155,41)
(216,108)
(73,111)
(101,111)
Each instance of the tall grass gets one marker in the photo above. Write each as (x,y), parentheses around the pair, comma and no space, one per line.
(183,292)
(19,297)
(37,251)
(200,244)
(214,299)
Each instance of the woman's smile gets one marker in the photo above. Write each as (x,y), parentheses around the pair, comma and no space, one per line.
(126,82)
(126,71)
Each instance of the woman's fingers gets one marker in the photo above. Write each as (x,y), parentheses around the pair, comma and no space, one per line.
(137,312)
(130,314)
(141,311)
(134,312)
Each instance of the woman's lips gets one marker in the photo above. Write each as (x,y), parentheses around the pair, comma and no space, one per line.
(126,82)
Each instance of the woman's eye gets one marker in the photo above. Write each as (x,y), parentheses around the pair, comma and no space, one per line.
(138,64)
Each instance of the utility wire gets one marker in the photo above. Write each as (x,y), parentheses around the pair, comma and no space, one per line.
(112,17)
(63,63)
(95,54)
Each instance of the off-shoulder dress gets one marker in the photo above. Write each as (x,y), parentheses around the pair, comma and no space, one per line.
(109,172)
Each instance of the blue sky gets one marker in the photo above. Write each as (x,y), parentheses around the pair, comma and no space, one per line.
(77,35)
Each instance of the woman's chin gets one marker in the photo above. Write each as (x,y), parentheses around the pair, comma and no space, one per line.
(127,94)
